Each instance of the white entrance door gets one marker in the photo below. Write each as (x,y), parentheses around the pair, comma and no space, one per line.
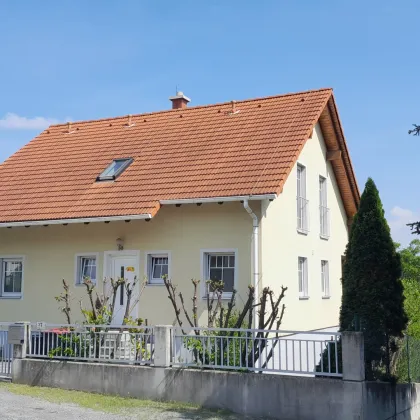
(125,267)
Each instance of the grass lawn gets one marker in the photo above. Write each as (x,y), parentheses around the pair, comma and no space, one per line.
(113,404)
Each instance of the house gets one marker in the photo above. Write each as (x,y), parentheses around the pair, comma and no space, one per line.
(259,191)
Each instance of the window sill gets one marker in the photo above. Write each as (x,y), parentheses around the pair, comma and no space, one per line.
(303,297)
(83,285)
(324,237)
(155,284)
(11,297)
(302,231)
(225,296)
(326,297)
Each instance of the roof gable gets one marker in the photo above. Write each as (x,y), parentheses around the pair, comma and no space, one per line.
(197,152)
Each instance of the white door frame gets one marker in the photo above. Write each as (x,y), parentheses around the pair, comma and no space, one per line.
(108,255)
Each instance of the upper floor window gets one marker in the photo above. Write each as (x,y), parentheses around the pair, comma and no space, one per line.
(11,277)
(324,211)
(302,202)
(114,169)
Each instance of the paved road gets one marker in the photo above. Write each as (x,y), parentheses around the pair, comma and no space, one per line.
(13,407)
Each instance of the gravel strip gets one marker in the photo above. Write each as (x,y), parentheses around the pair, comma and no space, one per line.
(22,407)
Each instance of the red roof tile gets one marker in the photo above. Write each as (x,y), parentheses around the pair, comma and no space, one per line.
(197,152)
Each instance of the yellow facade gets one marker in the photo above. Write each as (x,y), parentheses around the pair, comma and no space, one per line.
(281,244)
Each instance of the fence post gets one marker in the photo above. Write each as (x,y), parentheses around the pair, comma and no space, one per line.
(19,334)
(162,337)
(353,356)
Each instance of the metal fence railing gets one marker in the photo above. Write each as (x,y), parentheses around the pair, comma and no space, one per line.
(288,352)
(324,221)
(105,343)
(302,214)
(6,351)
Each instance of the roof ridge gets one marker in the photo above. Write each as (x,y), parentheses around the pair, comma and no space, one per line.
(261,98)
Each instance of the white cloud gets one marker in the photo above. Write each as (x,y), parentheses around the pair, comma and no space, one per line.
(398,223)
(15,122)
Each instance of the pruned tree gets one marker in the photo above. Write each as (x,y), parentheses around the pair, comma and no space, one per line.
(65,298)
(102,305)
(270,312)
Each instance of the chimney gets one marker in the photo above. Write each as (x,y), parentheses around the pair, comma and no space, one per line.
(179,101)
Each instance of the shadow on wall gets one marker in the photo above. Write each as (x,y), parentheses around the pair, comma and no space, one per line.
(384,401)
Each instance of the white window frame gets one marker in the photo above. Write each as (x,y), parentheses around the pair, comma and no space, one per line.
(302,208)
(77,266)
(324,211)
(204,253)
(8,295)
(303,277)
(325,279)
(149,255)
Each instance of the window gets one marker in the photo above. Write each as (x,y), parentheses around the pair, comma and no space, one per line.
(302,202)
(11,277)
(324,211)
(157,266)
(325,279)
(303,277)
(114,169)
(220,266)
(86,266)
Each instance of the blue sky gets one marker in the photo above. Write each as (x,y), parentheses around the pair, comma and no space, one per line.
(83,60)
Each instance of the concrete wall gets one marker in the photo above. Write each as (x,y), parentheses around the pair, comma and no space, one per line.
(279,397)
(282,245)
(259,395)
(384,401)
(50,256)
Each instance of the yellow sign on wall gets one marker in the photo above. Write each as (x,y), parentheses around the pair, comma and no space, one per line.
(130,269)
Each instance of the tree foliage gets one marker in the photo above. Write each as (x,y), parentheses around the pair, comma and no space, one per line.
(415,227)
(410,260)
(372,287)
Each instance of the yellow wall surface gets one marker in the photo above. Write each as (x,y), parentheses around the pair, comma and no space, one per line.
(281,244)
(50,256)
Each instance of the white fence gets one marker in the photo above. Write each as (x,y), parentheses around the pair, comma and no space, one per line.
(105,343)
(6,351)
(287,352)
(314,353)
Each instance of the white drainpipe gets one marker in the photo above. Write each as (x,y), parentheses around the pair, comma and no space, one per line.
(255,254)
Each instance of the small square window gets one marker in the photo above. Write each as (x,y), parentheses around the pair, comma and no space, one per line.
(86,268)
(11,277)
(220,266)
(115,169)
(158,266)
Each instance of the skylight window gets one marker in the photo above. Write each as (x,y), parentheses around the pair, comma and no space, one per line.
(116,168)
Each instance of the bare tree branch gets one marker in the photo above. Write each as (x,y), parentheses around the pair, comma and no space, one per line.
(172,297)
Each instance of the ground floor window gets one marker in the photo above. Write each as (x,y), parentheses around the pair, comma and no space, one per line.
(220,266)
(86,267)
(11,277)
(158,266)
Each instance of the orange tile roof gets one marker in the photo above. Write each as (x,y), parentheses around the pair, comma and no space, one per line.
(197,152)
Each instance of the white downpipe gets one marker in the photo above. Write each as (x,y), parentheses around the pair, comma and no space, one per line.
(255,254)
